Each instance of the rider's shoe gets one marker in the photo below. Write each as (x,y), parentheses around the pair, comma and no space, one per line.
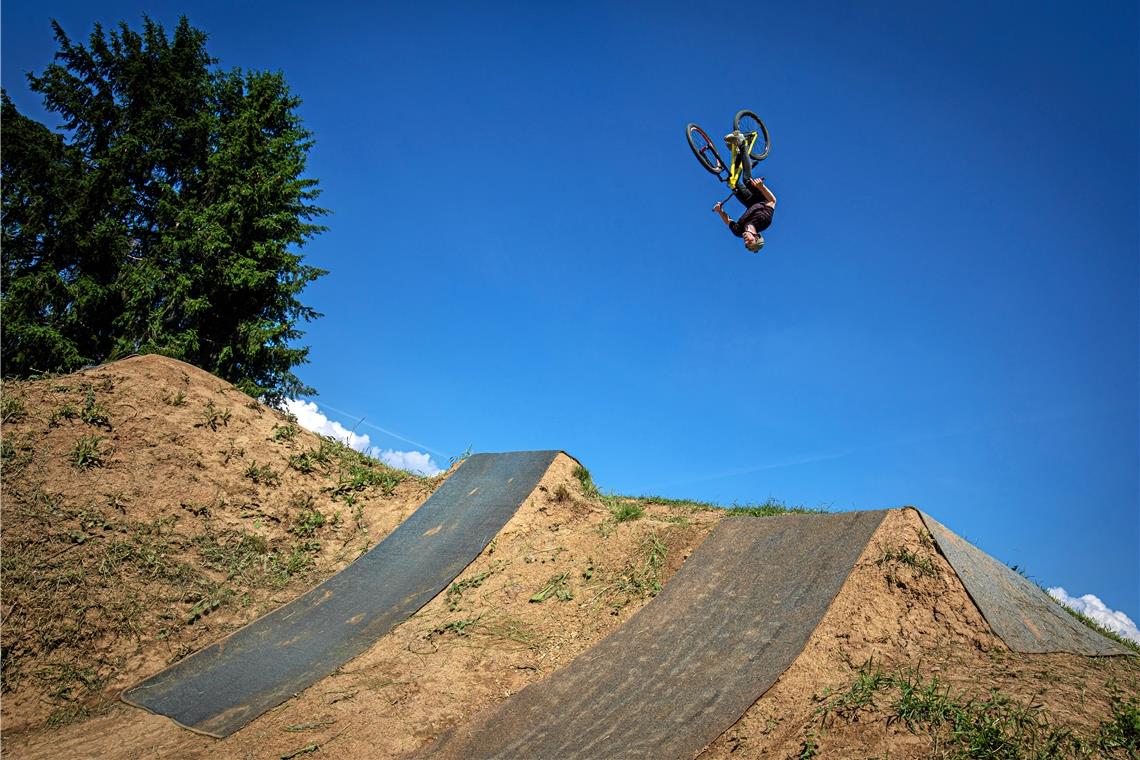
(735,139)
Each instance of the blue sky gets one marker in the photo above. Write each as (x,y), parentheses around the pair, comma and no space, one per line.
(522,251)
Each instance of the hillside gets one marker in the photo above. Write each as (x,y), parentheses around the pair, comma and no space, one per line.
(150,509)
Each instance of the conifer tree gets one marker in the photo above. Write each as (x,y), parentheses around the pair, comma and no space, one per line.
(166,217)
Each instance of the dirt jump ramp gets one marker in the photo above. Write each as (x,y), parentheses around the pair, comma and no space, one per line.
(689,664)
(1021,614)
(219,689)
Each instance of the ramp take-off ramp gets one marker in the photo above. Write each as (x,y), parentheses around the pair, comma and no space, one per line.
(219,689)
(1021,614)
(687,665)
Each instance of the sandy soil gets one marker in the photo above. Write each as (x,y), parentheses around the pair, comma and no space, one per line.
(472,646)
(112,572)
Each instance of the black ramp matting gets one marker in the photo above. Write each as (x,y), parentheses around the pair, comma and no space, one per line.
(685,667)
(221,688)
(1019,612)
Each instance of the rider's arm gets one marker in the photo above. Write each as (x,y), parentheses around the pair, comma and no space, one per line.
(717,208)
(759,185)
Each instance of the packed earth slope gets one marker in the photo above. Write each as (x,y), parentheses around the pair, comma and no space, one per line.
(904,665)
(150,509)
(566,570)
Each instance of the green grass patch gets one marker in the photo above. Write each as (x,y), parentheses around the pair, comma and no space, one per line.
(94,414)
(896,557)
(458,627)
(11,408)
(456,590)
(586,481)
(212,417)
(88,453)
(261,474)
(362,475)
(961,726)
(623,509)
(558,586)
(641,576)
(284,433)
(770,508)
(665,501)
(307,522)
(66,412)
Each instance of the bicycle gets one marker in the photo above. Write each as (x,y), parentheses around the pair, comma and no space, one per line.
(758,146)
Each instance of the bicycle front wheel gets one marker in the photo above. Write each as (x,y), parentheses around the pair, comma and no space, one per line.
(703,149)
(748,122)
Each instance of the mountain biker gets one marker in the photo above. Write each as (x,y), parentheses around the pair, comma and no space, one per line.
(757,199)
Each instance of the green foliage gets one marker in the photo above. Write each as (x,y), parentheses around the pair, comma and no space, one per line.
(624,509)
(211,416)
(93,413)
(962,726)
(11,408)
(558,586)
(642,577)
(1121,734)
(88,453)
(285,433)
(262,474)
(583,476)
(307,523)
(163,219)
(455,591)
(362,474)
(770,508)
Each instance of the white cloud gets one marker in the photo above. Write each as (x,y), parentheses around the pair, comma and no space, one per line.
(310,417)
(1090,606)
(413,461)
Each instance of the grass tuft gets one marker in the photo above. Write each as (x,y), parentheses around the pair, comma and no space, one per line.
(11,408)
(212,417)
(88,453)
(770,508)
(961,726)
(558,586)
(587,482)
(262,474)
(623,509)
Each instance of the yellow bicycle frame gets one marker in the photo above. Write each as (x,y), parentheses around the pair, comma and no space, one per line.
(735,166)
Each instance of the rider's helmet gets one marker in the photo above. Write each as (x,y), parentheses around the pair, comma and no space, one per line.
(753,240)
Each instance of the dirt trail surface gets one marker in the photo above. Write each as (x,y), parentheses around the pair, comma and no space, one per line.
(219,689)
(150,508)
(687,666)
(1023,615)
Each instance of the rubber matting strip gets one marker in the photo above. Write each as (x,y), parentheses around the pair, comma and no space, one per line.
(1018,610)
(686,666)
(222,687)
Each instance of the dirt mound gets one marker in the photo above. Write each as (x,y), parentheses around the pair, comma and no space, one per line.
(904,665)
(149,508)
(565,571)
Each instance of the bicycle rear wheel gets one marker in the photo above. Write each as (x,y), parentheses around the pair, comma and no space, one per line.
(703,149)
(747,122)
